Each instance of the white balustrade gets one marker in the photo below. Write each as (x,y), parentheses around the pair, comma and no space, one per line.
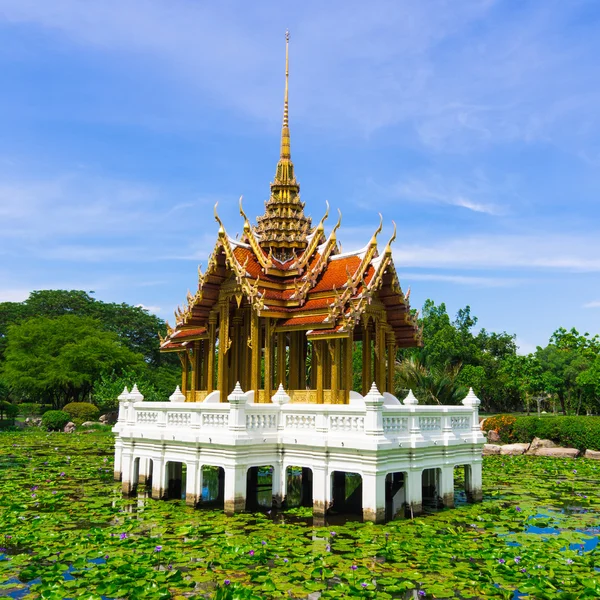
(409,423)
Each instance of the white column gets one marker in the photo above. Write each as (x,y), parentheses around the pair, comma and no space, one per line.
(126,470)
(278,479)
(118,454)
(373,497)
(414,491)
(446,482)
(374,412)
(158,477)
(193,483)
(235,489)
(321,491)
(473,482)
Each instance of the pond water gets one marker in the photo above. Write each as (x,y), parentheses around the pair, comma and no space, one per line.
(67,532)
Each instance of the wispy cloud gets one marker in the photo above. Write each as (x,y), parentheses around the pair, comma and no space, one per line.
(454,74)
(470,280)
(593,304)
(472,193)
(496,251)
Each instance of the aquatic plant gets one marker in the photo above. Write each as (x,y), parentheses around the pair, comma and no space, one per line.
(67,532)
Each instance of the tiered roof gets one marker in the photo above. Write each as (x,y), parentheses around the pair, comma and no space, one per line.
(287,270)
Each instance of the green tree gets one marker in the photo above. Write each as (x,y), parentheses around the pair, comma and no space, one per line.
(58,360)
(136,328)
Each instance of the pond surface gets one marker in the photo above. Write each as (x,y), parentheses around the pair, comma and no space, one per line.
(67,532)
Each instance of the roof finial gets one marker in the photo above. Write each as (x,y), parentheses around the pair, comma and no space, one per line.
(285,130)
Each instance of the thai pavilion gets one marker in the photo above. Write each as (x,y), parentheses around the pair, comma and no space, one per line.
(266,345)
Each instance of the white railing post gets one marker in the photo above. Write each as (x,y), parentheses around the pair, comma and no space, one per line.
(280,398)
(473,401)
(134,396)
(237,409)
(177,395)
(123,399)
(414,427)
(374,412)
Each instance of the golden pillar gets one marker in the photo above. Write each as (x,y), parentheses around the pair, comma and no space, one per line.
(281,360)
(185,365)
(210,362)
(294,378)
(195,367)
(204,370)
(268,360)
(391,361)
(256,352)
(237,348)
(380,354)
(334,349)
(348,366)
(318,357)
(367,377)
(224,344)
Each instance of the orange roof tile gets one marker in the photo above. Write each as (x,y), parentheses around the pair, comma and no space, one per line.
(336,273)
(306,320)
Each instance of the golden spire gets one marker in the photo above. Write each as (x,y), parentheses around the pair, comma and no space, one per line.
(283,228)
(285,129)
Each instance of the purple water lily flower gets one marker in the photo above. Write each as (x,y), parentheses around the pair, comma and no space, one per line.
(251,553)
(227,582)
(364,584)
(501,561)
(354,567)
(517,559)
(158,549)
(421,593)
(123,536)
(569,561)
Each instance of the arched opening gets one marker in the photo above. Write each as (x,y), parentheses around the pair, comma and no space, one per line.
(259,487)
(149,472)
(346,493)
(460,490)
(395,495)
(213,486)
(175,475)
(430,490)
(298,487)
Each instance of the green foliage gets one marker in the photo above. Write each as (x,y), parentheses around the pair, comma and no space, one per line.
(81,411)
(431,385)
(8,412)
(134,326)
(58,360)
(571,432)
(55,420)
(31,409)
(156,385)
(61,513)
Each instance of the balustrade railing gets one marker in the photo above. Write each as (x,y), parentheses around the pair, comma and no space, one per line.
(369,416)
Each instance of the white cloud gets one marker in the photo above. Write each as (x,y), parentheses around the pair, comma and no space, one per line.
(420,65)
(593,304)
(152,309)
(497,251)
(472,280)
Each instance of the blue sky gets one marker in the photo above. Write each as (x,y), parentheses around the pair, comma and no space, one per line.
(475,125)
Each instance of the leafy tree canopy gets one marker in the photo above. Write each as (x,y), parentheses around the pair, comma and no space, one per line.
(57,360)
(134,326)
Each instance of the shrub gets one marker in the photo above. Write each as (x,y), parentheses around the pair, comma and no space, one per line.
(55,420)
(82,411)
(574,432)
(8,412)
(503,424)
